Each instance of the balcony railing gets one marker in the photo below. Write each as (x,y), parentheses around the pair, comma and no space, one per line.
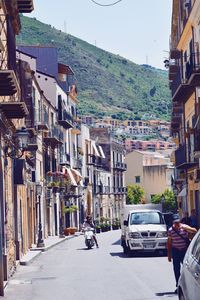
(181,160)
(53,137)
(25,6)
(192,72)
(120,166)
(181,89)
(77,163)
(65,159)
(42,120)
(65,119)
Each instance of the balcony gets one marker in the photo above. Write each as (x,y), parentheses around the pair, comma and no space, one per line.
(53,137)
(103,190)
(77,163)
(25,6)
(197,144)
(42,121)
(65,159)
(65,119)
(181,161)
(95,161)
(192,73)
(76,129)
(120,166)
(180,89)
(8,83)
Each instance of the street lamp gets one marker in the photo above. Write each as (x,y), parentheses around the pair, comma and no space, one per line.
(162,202)
(40,242)
(61,227)
(16,143)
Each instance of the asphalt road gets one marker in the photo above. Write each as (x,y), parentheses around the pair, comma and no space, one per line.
(69,271)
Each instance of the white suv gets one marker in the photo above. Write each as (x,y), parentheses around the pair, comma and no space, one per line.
(144,230)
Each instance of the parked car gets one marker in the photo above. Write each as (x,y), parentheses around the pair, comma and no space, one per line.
(189,282)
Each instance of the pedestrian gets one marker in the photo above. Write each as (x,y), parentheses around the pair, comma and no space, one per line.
(186,219)
(193,218)
(177,244)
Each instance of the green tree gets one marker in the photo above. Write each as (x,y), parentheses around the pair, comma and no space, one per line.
(135,194)
(168,198)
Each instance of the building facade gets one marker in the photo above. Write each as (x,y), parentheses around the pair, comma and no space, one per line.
(150,170)
(184,84)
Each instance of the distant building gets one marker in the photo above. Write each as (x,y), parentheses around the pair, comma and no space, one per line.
(152,145)
(150,170)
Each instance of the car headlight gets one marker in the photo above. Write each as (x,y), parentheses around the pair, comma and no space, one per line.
(134,235)
(162,234)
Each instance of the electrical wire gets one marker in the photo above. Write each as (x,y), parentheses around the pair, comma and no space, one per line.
(111,4)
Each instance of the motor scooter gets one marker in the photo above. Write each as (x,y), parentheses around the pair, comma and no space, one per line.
(89,237)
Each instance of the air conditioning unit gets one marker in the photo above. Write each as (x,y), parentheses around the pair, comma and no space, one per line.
(197,175)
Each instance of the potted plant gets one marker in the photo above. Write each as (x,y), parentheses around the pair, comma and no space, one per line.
(103,227)
(115,224)
(97,226)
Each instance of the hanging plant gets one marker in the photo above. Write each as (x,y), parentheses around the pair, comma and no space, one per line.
(70,209)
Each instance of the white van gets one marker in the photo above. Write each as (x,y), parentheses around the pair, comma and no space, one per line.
(143,230)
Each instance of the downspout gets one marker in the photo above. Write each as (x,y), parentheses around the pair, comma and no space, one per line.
(1,222)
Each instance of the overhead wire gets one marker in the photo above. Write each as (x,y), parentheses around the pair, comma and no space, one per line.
(111,4)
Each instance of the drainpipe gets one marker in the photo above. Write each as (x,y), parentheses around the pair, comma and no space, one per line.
(1,224)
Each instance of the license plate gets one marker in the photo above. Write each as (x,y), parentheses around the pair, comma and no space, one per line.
(148,246)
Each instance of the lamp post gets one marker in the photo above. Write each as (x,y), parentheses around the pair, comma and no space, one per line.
(61,227)
(16,144)
(162,202)
(40,242)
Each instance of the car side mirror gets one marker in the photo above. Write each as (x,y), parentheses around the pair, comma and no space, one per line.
(125,223)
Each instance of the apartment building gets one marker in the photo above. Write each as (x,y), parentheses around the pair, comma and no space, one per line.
(13,109)
(113,198)
(150,170)
(184,83)
(151,145)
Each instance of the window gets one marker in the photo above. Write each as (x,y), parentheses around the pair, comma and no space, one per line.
(137,179)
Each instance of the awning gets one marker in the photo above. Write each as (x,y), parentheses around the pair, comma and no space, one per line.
(182,193)
(101,152)
(71,176)
(77,176)
(94,146)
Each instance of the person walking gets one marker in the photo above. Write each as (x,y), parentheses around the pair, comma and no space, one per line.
(177,245)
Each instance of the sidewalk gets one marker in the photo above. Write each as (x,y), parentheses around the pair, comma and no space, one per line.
(50,242)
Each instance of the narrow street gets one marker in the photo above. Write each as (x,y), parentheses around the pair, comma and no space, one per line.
(70,271)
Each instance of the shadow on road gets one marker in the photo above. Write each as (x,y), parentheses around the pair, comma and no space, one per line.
(163,294)
(138,254)
(118,242)
(83,249)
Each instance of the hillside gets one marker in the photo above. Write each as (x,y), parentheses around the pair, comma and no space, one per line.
(107,84)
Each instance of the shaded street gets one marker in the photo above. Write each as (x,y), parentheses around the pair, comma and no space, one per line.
(69,271)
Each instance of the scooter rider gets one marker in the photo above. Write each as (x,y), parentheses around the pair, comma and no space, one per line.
(88,223)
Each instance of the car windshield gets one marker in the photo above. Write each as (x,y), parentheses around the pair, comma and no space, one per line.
(146,218)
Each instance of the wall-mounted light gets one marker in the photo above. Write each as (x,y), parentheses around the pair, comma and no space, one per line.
(17,143)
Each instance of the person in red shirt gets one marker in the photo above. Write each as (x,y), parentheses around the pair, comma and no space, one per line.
(177,244)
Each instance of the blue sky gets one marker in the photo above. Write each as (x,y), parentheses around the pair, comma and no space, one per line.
(135,29)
